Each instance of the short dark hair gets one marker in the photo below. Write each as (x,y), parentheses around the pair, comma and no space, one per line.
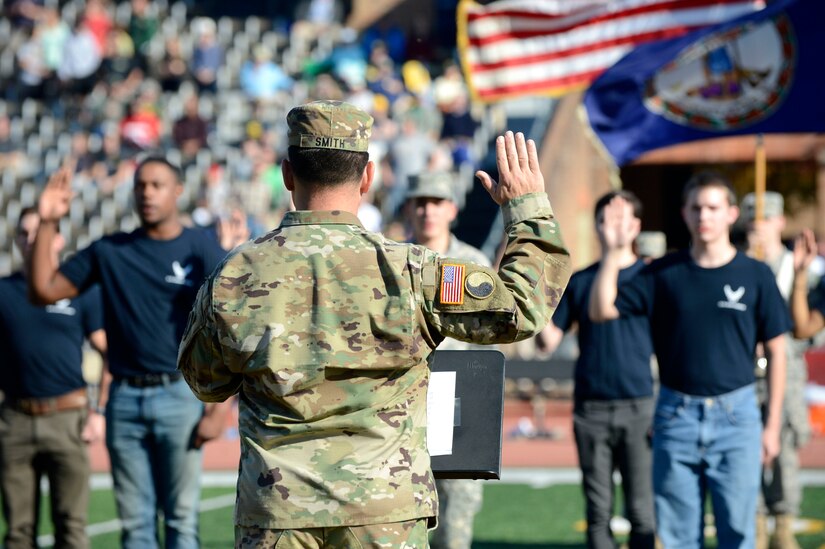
(709,178)
(159,159)
(28,210)
(627,195)
(327,167)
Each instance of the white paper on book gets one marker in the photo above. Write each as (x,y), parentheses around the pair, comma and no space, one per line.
(440,412)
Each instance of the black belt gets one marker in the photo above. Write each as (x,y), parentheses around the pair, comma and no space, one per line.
(149,380)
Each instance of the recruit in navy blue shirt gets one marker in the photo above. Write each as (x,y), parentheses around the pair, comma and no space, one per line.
(614,356)
(149,286)
(43,345)
(706,322)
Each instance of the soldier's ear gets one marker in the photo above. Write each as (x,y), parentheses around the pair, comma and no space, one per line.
(367,177)
(286,171)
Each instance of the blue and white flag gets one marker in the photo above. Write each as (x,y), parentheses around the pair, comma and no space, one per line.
(760,73)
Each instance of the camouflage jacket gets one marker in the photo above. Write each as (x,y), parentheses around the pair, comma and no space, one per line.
(326,329)
(461,250)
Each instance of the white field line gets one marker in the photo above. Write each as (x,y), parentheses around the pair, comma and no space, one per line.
(537,478)
(109,526)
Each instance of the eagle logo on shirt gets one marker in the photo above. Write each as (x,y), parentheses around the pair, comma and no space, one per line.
(733,298)
(62,307)
(179,274)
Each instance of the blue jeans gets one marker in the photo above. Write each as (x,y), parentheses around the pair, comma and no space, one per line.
(700,445)
(149,433)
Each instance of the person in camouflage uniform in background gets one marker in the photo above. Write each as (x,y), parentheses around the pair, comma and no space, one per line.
(781,490)
(327,330)
(430,209)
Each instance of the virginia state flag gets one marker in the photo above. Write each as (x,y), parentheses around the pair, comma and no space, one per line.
(760,73)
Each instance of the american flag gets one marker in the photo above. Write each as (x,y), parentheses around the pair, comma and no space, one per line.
(551,47)
(452,284)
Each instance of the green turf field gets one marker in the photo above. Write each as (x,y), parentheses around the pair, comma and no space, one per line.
(513,517)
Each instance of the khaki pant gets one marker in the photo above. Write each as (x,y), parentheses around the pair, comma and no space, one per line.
(410,534)
(50,445)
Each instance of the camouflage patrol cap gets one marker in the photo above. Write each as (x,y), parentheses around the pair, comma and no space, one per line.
(329,125)
(774,205)
(431,185)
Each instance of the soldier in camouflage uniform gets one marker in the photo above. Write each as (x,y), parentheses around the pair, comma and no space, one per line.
(430,210)
(781,491)
(326,330)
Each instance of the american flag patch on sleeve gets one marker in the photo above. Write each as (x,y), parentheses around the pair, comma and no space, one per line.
(452,285)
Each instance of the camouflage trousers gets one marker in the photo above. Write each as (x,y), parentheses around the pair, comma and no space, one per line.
(458,503)
(781,492)
(410,534)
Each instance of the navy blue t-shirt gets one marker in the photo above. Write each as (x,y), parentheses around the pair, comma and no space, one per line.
(42,346)
(148,288)
(614,356)
(706,322)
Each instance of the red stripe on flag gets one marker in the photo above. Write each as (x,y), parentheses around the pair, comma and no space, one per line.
(604,44)
(600,26)
(545,86)
(668,5)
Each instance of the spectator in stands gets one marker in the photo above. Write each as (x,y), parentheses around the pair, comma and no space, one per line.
(140,129)
(430,210)
(207,56)
(53,37)
(410,154)
(97,20)
(172,69)
(613,397)
(12,156)
(24,13)
(142,28)
(80,62)
(32,72)
(119,68)
(83,158)
(708,307)
(262,79)
(458,124)
(148,280)
(190,131)
(45,409)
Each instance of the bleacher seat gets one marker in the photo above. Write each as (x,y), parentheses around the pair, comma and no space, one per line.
(77,213)
(95,228)
(28,194)
(6,63)
(6,266)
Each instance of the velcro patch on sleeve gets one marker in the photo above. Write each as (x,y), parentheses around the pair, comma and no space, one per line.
(452,284)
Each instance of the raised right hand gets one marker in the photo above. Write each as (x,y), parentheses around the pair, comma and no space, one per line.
(619,227)
(57,195)
(518,169)
(804,250)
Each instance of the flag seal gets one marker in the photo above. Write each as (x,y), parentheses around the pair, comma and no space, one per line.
(729,80)
(452,284)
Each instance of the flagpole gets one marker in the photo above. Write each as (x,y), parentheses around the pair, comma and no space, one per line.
(759,188)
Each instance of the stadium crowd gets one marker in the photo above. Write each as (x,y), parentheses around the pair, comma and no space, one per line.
(105,82)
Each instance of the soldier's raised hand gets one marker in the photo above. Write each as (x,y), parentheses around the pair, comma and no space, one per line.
(57,195)
(518,169)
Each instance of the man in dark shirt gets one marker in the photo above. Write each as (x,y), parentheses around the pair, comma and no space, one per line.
(190,131)
(148,278)
(613,400)
(45,409)
(708,307)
